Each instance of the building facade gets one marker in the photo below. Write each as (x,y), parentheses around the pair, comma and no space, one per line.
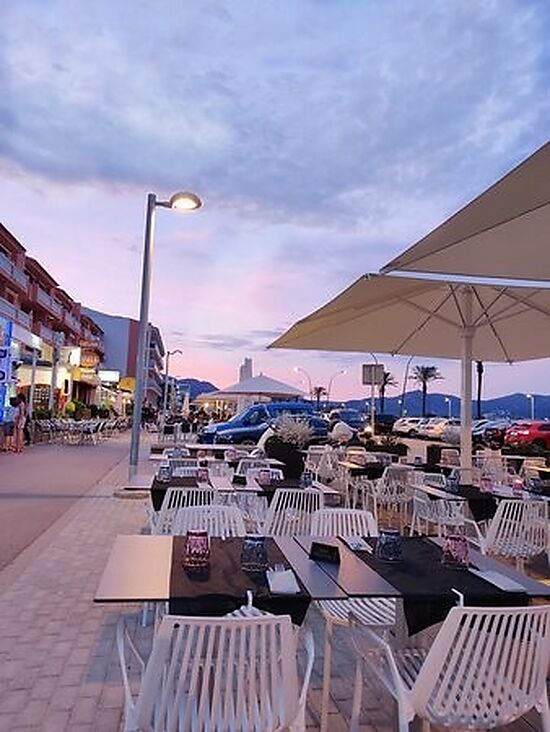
(52,343)
(120,338)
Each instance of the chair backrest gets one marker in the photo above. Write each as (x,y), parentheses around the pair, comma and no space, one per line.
(435,480)
(519,528)
(177,498)
(183,462)
(220,674)
(291,510)
(247,464)
(486,667)
(216,520)
(343,522)
(274,473)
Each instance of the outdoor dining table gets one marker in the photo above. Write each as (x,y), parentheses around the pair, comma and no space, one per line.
(149,568)
(371,470)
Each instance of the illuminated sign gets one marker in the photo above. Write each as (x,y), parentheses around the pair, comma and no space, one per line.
(5,362)
(109,376)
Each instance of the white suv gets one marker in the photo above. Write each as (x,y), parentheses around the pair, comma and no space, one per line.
(406,426)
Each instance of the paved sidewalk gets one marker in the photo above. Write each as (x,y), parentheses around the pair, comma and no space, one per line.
(58,662)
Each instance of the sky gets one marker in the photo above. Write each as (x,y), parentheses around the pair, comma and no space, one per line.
(323,136)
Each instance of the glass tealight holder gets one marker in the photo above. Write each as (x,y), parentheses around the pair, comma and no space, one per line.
(202,475)
(518,486)
(455,552)
(388,546)
(254,553)
(263,477)
(485,484)
(307,479)
(197,550)
(164,474)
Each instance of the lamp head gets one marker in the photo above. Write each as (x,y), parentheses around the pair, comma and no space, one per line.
(185,201)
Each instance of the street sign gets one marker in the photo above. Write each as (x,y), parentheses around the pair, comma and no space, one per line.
(373,374)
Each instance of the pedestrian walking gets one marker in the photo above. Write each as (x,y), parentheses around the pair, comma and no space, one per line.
(27,419)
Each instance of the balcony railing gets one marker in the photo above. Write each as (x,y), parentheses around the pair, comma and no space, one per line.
(72,322)
(12,312)
(46,333)
(48,302)
(13,272)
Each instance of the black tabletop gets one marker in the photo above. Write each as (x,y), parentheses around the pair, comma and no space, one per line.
(223,588)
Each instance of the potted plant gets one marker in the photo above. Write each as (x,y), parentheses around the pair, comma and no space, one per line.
(290,436)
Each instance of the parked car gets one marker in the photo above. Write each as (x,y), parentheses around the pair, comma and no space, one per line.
(492,433)
(531,434)
(249,425)
(407,426)
(351,417)
(450,432)
(433,428)
(383,423)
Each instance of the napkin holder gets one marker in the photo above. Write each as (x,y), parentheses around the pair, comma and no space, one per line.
(324,552)
(239,480)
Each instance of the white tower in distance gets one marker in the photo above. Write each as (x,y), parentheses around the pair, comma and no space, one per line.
(245,369)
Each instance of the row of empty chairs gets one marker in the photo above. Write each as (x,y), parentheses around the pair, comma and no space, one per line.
(70,431)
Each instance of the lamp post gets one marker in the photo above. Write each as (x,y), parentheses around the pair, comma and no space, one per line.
(372,410)
(167,383)
(182,201)
(329,387)
(404,391)
(449,407)
(297,369)
(531,398)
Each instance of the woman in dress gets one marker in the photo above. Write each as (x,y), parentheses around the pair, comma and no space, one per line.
(20,418)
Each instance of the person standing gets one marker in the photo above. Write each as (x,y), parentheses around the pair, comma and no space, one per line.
(26,424)
(20,417)
(9,426)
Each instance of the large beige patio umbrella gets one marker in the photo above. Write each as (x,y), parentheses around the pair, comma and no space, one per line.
(504,232)
(413,316)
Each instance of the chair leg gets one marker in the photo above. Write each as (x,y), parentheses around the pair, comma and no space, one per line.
(327,664)
(357,697)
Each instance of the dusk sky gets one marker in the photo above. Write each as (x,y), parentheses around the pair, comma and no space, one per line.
(324,137)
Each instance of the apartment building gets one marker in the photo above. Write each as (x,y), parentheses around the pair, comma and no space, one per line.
(120,338)
(50,336)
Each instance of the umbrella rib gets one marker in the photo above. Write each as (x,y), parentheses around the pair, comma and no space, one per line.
(528,302)
(491,325)
(429,315)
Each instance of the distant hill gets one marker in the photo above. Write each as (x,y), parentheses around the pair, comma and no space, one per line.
(511,405)
(196,387)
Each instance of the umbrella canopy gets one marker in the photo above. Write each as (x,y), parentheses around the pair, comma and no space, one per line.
(405,315)
(259,386)
(504,232)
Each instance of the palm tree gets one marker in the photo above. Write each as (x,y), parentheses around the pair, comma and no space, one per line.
(388,379)
(423,375)
(317,392)
(479,369)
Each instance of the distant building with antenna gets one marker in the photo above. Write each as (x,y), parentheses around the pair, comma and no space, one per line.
(245,370)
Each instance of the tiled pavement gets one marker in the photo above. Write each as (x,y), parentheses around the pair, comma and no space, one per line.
(58,663)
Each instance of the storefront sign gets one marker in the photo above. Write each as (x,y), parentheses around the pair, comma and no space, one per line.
(5,362)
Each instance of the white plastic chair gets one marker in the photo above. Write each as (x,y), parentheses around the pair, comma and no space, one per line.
(393,492)
(518,530)
(291,510)
(379,612)
(183,462)
(247,464)
(177,498)
(218,674)
(486,668)
(443,513)
(220,521)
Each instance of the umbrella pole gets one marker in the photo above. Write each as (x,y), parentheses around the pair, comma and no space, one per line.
(466,390)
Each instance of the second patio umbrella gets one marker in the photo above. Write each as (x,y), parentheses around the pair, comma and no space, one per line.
(413,316)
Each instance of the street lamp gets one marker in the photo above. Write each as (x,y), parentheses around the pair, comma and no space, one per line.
(297,369)
(167,383)
(338,373)
(531,397)
(449,406)
(181,201)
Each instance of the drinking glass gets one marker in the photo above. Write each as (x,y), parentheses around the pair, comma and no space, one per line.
(455,552)
(202,475)
(388,545)
(254,553)
(164,474)
(307,479)
(197,550)
(263,477)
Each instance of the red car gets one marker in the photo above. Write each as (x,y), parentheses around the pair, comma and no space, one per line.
(535,434)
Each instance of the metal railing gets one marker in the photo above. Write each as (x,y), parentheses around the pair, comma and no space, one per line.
(7,266)
(12,312)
